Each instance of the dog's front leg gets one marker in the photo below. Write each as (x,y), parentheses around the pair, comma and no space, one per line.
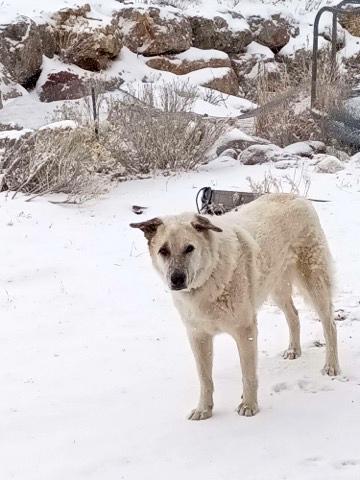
(202,347)
(246,340)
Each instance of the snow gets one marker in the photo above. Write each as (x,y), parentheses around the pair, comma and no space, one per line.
(197,54)
(97,375)
(255,48)
(14,134)
(62,125)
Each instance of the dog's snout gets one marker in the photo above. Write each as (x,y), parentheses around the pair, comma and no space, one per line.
(178,280)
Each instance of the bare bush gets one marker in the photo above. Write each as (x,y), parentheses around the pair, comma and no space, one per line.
(289,119)
(146,140)
(175,96)
(54,161)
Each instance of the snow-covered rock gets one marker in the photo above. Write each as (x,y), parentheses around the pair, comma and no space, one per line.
(62,82)
(8,88)
(306,149)
(224,80)
(85,41)
(153,31)
(190,60)
(227,31)
(258,154)
(274,32)
(327,164)
(21,50)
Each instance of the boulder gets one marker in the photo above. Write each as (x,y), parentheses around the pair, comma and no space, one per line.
(189,61)
(8,88)
(154,31)
(85,41)
(306,149)
(258,154)
(227,31)
(339,154)
(274,32)
(327,164)
(239,144)
(68,85)
(21,50)
(224,80)
(48,40)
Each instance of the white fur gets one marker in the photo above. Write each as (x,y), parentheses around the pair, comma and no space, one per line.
(263,250)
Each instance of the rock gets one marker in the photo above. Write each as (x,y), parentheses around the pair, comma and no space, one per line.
(154,31)
(317,146)
(351,22)
(225,81)
(67,85)
(48,40)
(190,60)
(258,154)
(8,138)
(21,50)
(227,31)
(248,63)
(87,42)
(327,164)
(306,149)
(274,32)
(229,152)
(239,145)
(62,85)
(339,154)
(302,149)
(8,88)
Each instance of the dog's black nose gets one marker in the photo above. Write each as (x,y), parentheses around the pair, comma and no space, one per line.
(178,280)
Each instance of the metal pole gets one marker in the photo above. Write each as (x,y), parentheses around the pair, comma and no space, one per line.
(334,45)
(95,113)
(315,59)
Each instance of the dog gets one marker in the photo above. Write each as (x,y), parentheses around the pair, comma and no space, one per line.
(220,271)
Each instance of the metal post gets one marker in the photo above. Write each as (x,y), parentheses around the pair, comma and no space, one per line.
(95,112)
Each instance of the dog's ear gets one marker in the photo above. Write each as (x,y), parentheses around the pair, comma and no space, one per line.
(149,227)
(203,224)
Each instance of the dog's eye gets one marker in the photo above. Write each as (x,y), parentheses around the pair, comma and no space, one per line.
(189,249)
(164,251)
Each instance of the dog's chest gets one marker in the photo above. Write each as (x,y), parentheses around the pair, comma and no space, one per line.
(212,317)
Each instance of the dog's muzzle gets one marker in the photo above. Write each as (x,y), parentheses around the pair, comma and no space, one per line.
(178,280)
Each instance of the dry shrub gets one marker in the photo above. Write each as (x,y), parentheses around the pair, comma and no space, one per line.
(54,161)
(175,96)
(146,140)
(298,183)
(288,118)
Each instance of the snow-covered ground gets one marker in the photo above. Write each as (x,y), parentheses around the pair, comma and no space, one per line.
(96,373)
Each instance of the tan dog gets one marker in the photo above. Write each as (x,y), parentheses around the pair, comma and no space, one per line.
(221,271)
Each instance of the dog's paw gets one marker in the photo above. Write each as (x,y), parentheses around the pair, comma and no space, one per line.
(331,370)
(200,414)
(291,353)
(247,409)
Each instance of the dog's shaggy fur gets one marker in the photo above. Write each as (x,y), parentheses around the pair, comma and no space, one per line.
(221,270)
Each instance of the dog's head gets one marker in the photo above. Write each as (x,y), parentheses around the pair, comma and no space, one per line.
(181,248)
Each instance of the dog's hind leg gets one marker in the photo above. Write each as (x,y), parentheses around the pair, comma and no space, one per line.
(314,275)
(202,347)
(282,298)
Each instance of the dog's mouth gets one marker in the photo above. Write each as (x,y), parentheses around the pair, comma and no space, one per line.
(178,287)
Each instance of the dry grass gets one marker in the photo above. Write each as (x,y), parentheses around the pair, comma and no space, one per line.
(290,120)
(298,183)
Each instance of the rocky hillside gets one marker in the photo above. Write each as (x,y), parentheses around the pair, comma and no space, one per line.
(57,53)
